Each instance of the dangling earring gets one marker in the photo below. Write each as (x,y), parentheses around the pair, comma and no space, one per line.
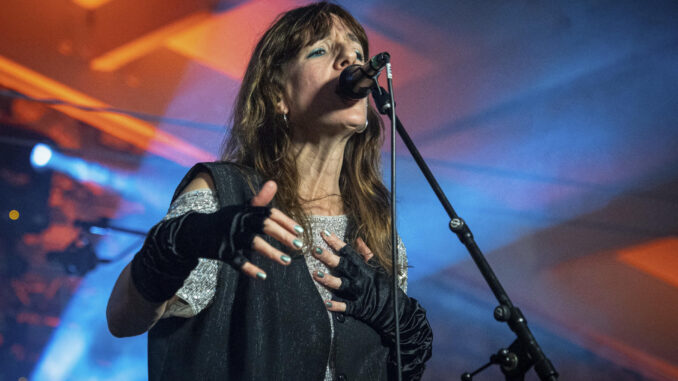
(361,130)
(285,119)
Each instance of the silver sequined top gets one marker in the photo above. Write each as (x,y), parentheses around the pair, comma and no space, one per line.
(199,288)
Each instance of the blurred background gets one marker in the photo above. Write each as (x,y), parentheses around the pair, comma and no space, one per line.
(551,125)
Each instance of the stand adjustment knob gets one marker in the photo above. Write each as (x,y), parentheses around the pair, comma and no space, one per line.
(510,362)
(456,224)
(502,313)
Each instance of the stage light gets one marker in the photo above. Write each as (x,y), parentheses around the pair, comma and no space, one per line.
(44,157)
(41,155)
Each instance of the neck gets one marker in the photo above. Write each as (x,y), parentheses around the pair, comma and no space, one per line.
(319,166)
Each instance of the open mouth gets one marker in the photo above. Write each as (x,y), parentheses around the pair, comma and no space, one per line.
(350,102)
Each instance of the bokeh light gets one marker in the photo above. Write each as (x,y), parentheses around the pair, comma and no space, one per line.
(41,155)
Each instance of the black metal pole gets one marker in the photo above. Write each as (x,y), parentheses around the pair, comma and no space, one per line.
(506,311)
(394,237)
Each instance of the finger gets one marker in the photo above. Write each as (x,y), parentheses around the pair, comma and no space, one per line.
(331,260)
(264,248)
(286,222)
(333,305)
(332,240)
(327,280)
(362,248)
(282,235)
(265,194)
(253,271)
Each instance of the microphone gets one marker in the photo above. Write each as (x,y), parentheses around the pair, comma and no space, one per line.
(356,81)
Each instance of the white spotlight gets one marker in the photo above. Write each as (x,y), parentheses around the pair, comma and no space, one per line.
(40,155)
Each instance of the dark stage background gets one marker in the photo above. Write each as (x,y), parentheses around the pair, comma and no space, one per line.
(552,126)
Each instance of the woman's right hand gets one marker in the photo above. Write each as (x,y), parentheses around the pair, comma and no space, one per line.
(172,248)
(278,226)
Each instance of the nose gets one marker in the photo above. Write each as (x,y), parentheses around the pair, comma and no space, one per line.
(347,56)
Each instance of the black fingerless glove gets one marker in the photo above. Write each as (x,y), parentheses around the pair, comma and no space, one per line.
(173,246)
(366,290)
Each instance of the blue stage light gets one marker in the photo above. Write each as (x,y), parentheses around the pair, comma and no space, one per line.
(41,155)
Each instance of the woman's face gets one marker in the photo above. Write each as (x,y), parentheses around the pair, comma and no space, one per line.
(310,100)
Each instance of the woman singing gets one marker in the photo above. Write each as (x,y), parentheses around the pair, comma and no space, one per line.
(249,276)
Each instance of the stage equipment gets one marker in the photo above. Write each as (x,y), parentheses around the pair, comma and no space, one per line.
(25,188)
(525,352)
(356,81)
(80,256)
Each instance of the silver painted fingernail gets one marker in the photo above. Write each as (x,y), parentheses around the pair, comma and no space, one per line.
(321,274)
(297,243)
(326,233)
(298,229)
(285,258)
(318,251)
(328,303)
(261,276)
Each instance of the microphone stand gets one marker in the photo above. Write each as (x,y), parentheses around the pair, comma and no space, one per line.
(524,352)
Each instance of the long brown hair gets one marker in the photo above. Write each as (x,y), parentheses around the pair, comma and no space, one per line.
(259,137)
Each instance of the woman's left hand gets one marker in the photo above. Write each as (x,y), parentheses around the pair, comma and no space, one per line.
(364,290)
(332,261)
(366,293)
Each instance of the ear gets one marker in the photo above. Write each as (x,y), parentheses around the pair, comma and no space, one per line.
(281,106)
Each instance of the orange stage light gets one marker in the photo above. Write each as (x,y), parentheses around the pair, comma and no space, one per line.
(90,4)
(133,50)
(658,258)
(225,41)
(126,128)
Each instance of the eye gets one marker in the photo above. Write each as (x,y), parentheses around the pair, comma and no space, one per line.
(359,55)
(317,52)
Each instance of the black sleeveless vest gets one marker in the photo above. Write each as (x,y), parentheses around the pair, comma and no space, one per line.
(277,329)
